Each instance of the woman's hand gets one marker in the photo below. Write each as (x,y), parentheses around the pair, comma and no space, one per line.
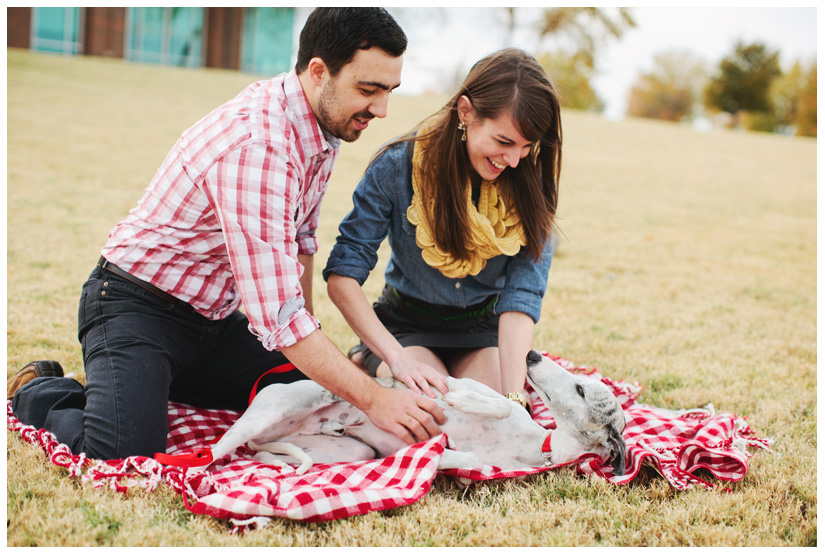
(418,376)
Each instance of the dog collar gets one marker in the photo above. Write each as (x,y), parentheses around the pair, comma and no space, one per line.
(545,449)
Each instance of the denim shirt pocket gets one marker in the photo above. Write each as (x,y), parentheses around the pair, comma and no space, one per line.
(408,227)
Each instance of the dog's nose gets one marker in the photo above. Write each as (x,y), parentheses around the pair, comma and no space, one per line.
(533,357)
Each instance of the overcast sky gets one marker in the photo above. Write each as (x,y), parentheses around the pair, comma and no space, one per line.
(445,41)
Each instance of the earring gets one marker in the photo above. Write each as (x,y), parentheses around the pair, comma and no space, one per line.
(463,129)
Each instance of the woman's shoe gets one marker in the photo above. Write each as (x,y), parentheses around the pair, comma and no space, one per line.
(356,357)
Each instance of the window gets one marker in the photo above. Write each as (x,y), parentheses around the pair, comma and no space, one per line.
(56,30)
(267,40)
(170,36)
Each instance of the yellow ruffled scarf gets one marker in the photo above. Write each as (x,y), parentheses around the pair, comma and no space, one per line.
(493,229)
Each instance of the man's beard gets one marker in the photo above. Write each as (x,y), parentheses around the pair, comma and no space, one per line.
(337,127)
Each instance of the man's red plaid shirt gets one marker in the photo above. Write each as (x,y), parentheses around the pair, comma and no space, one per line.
(231,208)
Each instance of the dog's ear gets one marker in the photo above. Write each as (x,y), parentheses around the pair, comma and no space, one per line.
(616,444)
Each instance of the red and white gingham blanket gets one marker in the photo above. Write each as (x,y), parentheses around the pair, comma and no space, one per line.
(677,443)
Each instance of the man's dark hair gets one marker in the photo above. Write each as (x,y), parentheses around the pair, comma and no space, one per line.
(334,34)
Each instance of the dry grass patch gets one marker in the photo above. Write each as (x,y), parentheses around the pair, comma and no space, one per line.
(687,263)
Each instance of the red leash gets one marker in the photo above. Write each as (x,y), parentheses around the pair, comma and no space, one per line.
(203,457)
(277,370)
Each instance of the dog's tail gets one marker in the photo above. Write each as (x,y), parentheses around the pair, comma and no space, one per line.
(285,448)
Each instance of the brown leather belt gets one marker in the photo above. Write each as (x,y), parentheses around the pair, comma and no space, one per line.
(109,267)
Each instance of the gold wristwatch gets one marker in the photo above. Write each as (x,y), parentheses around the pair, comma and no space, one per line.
(518,398)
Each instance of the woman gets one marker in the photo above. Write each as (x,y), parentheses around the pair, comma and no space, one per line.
(468,199)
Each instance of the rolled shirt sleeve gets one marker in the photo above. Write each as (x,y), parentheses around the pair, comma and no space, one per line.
(525,283)
(230,209)
(255,191)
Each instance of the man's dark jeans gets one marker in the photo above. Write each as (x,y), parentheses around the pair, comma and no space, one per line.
(139,352)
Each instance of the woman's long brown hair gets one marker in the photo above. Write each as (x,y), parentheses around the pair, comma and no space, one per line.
(507,81)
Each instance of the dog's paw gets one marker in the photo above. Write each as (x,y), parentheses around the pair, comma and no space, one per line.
(471,402)
(463,482)
(458,459)
(272,460)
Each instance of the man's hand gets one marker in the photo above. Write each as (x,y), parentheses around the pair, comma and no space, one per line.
(410,416)
(404,413)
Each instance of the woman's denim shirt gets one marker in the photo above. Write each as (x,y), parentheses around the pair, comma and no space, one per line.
(380,209)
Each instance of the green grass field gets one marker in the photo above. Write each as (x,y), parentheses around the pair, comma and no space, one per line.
(687,264)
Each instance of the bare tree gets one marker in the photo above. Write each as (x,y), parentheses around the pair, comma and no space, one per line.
(588,27)
(510,25)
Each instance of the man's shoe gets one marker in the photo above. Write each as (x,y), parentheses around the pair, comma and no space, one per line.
(36,369)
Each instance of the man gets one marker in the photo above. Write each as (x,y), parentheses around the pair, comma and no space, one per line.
(229,218)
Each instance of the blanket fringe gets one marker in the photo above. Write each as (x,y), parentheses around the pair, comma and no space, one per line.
(117,475)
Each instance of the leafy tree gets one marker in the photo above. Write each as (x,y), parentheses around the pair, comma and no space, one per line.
(571,75)
(784,100)
(670,90)
(805,119)
(793,104)
(785,95)
(744,80)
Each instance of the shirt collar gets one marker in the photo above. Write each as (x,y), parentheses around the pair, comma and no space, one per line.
(312,136)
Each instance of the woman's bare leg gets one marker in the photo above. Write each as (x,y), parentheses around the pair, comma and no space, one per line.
(481,365)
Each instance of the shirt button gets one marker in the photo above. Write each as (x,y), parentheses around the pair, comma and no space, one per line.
(457,285)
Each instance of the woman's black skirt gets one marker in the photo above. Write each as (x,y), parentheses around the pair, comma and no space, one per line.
(442,329)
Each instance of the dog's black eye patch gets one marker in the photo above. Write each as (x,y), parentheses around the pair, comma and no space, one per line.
(580,390)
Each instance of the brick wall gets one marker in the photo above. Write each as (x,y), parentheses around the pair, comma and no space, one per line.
(18,27)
